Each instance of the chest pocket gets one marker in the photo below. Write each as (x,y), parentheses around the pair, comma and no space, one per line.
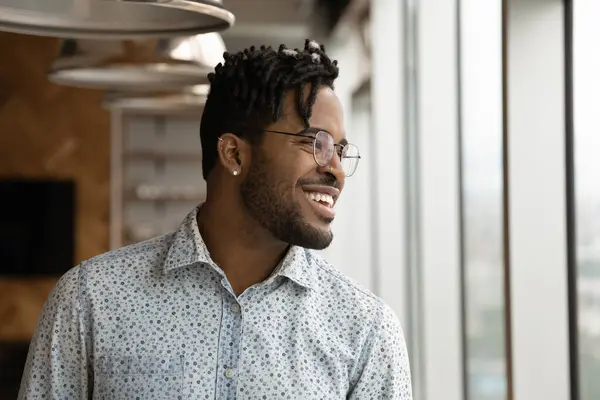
(138,377)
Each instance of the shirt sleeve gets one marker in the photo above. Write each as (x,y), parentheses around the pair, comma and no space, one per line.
(57,366)
(384,371)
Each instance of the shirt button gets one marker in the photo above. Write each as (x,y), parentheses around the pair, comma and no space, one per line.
(229,373)
(235,307)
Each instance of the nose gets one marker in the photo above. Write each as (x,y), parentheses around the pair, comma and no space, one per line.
(335,169)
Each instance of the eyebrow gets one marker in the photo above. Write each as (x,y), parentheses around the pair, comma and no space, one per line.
(315,129)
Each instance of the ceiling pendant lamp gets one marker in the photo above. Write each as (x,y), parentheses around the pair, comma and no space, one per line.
(114,19)
(148,65)
(188,102)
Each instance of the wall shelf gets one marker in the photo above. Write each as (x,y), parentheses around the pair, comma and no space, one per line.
(161,157)
(133,195)
(168,178)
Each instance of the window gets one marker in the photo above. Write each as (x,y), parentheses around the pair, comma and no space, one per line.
(586,87)
(482,194)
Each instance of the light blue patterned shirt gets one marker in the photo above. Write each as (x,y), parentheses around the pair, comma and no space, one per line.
(159,320)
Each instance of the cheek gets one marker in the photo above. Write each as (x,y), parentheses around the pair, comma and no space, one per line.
(294,167)
(305,163)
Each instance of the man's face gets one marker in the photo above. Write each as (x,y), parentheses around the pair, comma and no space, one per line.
(282,186)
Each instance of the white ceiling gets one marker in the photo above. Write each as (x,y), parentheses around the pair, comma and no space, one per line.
(268,22)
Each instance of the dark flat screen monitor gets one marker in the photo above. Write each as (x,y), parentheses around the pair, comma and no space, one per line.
(37,227)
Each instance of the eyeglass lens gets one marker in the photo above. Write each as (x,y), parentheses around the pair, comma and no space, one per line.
(324,149)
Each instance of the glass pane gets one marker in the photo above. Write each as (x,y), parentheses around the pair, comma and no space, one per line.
(481,91)
(586,90)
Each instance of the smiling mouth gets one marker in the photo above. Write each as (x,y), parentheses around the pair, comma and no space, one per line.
(322,200)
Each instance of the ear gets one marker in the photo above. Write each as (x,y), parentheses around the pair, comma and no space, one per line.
(234,153)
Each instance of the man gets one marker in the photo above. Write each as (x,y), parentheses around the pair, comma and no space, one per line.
(233,304)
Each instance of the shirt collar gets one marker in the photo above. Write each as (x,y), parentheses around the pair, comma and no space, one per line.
(187,248)
(299,266)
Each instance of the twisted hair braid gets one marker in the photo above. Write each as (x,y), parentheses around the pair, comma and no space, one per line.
(247,91)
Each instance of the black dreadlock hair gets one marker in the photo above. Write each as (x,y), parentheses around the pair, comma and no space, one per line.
(247,92)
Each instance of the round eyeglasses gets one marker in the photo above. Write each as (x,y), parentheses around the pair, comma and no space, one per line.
(324,148)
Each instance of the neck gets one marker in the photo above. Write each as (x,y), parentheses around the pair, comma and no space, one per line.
(246,253)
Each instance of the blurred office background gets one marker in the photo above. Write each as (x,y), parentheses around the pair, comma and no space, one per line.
(475,212)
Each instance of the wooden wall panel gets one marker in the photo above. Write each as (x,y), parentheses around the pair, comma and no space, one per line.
(50,131)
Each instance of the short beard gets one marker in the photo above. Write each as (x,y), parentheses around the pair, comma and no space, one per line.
(268,201)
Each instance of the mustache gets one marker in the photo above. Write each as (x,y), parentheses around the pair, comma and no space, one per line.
(328,180)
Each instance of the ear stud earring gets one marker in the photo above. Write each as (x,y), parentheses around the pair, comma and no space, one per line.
(235,173)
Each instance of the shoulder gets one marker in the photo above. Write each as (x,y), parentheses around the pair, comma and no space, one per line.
(127,263)
(341,288)
(149,253)
(130,262)
(355,308)
(331,276)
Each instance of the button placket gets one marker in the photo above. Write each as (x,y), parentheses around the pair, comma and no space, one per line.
(236,308)
(229,343)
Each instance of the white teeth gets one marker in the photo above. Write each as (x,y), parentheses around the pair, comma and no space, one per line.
(321,197)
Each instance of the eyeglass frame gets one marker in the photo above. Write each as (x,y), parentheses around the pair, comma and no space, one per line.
(313,135)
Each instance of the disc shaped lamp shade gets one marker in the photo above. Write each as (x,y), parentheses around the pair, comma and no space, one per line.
(114,19)
(188,102)
(147,65)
